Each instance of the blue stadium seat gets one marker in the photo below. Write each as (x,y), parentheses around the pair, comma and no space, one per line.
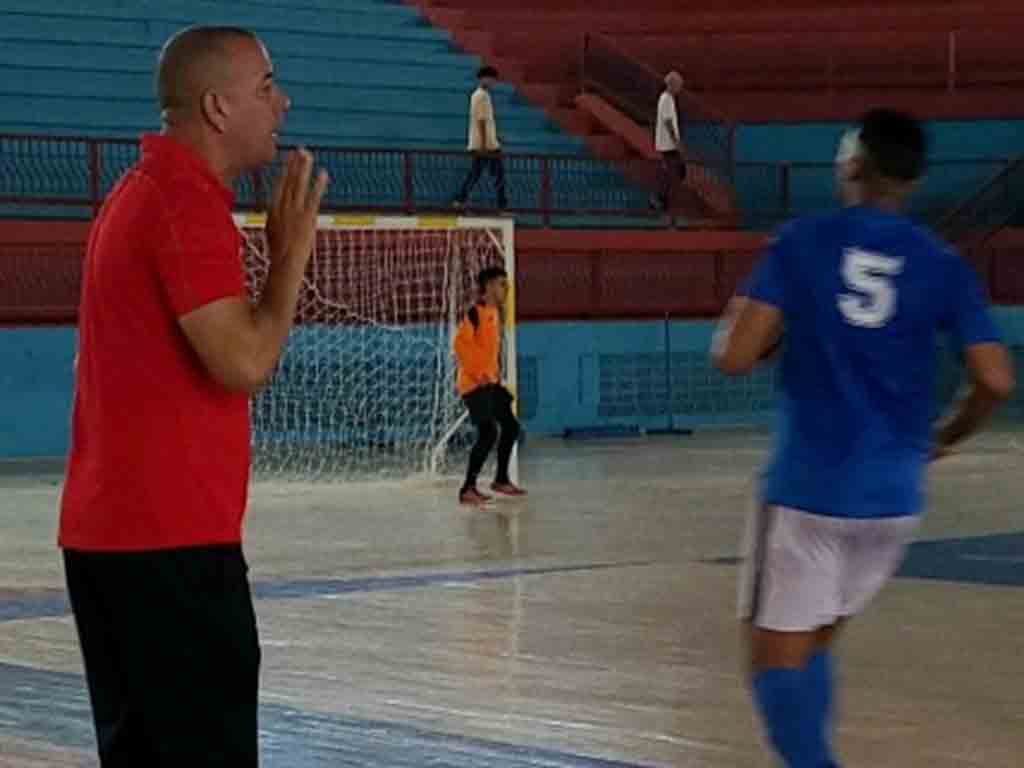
(360,72)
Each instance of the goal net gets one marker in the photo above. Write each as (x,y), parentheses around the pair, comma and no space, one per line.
(366,385)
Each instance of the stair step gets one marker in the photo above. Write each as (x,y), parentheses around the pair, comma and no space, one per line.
(445,18)
(473,40)
(607,146)
(574,121)
(509,70)
(549,95)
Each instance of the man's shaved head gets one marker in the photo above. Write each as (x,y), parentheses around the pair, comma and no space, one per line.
(194,60)
(218,95)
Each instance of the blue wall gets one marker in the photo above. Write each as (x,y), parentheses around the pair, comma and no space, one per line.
(812,188)
(816,142)
(572,375)
(35,391)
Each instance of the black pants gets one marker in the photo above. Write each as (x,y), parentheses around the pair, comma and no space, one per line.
(671,168)
(491,407)
(495,166)
(171,656)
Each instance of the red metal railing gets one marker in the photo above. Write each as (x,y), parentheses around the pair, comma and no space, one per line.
(773,192)
(634,87)
(973,224)
(70,176)
(585,275)
(77,173)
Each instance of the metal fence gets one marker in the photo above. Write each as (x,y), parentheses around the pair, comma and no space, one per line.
(973,224)
(76,174)
(70,176)
(769,193)
(989,209)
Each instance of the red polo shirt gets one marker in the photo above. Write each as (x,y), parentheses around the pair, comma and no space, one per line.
(159,450)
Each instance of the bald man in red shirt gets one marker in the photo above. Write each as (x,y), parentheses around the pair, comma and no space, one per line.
(170,350)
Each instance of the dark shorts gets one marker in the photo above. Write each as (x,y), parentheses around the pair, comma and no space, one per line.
(492,403)
(674,164)
(171,655)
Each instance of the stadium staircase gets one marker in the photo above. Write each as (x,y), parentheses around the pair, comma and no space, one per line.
(596,67)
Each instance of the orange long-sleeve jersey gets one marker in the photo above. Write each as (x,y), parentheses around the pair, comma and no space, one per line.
(478,347)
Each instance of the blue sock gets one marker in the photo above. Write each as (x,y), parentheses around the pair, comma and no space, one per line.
(819,681)
(791,719)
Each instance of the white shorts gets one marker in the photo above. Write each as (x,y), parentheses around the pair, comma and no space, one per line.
(803,571)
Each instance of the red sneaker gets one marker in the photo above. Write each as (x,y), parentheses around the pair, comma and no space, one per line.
(507,489)
(473,497)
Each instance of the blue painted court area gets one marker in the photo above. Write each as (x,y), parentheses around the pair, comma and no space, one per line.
(53,603)
(994,560)
(53,708)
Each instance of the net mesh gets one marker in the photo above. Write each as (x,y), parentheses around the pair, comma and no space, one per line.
(365,388)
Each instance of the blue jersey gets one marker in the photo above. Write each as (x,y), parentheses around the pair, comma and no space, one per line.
(864,297)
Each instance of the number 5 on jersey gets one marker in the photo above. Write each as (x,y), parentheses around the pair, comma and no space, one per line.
(871,301)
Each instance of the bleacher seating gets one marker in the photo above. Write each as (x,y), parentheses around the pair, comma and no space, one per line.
(791,74)
(946,58)
(375,73)
(360,72)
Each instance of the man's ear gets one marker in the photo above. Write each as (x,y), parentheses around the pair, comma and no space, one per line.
(215,110)
(854,169)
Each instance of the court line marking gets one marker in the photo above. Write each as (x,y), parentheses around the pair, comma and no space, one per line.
(55,605)
(288,736)
(985,559)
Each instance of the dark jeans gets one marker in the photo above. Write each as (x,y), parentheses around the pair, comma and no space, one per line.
(671,168)
(495,166)
(171,655)
(491,407)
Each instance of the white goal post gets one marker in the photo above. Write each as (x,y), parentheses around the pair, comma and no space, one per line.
(365,388)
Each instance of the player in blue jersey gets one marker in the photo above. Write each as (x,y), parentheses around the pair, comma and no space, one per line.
(860,298)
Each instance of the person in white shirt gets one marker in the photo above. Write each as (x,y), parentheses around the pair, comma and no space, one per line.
(667,141)
(484,144)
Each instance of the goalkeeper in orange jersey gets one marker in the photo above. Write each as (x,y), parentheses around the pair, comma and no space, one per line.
(478,351)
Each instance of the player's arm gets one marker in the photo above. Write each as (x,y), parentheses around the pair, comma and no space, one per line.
(992,382)
(749,331)
(240,344)
(469,353)
(751,327)
(666,112)
(987,361)
(481,127)
(478,113)
(670,125)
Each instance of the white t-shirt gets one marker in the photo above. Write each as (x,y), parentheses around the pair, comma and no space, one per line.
(481,108)
(663,141)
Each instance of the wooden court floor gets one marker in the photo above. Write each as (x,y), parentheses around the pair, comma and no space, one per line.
(591,625)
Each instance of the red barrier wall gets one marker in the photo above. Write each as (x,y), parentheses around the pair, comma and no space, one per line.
(40,271)
(623,274)
(562,275)
(847,7)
